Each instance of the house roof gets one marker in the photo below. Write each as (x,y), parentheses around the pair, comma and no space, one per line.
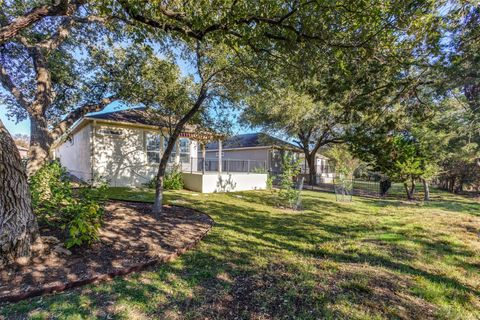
(134,116)
(145,117)
(251,140)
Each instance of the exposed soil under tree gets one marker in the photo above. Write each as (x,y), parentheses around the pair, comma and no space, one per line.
(130,238)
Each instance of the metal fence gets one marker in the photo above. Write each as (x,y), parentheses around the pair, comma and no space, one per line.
(359,187)
(350,186)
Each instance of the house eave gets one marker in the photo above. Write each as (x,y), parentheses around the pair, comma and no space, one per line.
(255,148)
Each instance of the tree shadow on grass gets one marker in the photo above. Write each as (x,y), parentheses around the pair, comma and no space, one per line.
(273,227)
(263,263)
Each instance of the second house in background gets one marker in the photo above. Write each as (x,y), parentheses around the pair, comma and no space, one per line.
(264,148)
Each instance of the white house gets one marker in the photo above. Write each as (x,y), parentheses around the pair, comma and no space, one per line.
(124,147)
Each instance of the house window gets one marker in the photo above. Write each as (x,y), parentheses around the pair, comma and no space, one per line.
(153,148)
(184,150)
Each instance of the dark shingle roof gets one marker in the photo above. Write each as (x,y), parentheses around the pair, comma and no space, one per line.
(251,140)
(141,116)
(135,116)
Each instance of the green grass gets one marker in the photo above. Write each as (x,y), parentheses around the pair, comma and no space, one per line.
(368,259)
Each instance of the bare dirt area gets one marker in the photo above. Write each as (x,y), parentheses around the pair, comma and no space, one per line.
(130,239)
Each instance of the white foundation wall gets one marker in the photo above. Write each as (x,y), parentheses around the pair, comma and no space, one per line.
(75,154)
(224,182)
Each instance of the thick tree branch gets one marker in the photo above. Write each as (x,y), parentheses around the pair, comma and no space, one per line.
(133,14)
(62,127)
(44,92)
(57,8)
(7,82)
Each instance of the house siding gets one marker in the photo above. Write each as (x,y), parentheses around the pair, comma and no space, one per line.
(122,160)
(75,154)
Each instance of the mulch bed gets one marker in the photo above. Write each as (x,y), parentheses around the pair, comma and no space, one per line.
(130,240)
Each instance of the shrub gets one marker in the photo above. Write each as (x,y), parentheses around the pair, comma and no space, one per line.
(270,182)
(84,215)
(173,180)
(54,201)
(51,192)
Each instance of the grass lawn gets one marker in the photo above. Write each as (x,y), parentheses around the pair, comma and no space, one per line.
(369,259)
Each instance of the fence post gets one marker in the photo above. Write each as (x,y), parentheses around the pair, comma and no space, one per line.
(248,166)
(191,164)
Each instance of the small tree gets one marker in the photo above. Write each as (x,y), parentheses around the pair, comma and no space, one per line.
(288,195)
(345,163)
(407,165)
(313,124)
(175,101)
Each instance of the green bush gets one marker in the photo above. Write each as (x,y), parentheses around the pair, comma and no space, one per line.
(173,180)
(84,216)
(270,182)
(78,213)
(51,192)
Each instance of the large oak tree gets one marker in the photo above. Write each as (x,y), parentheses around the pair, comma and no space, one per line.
(18,225)
(47,75)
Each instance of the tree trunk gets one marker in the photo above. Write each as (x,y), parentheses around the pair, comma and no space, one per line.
(162,169)
(459,188)
(157,206)
(426,190)
(40,144)
(412,190)
(18,225)
(385,185)
(312,168)
(409,191)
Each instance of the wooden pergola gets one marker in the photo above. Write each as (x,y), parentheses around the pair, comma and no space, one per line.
(204,137)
